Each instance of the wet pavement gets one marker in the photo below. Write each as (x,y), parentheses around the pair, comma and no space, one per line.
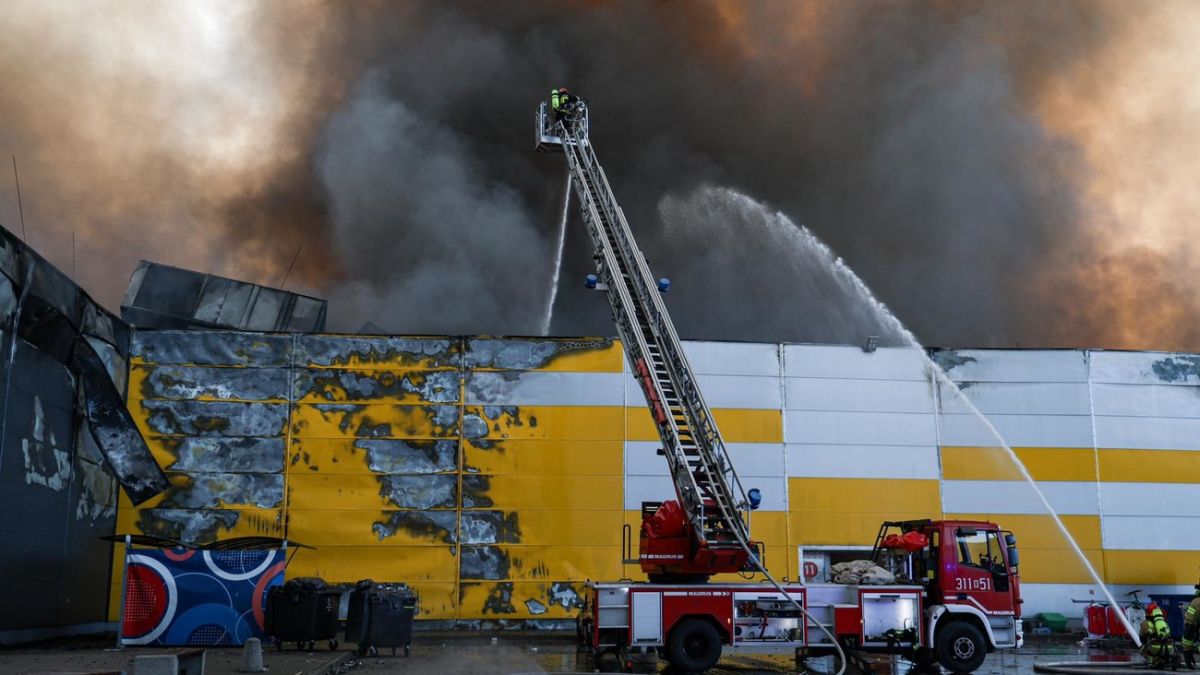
(513,654)
(503,653)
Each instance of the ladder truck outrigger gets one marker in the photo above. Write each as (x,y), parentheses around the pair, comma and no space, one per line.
(957,593)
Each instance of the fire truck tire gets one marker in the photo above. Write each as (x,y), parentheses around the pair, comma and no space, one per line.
(960,647)
(694,646)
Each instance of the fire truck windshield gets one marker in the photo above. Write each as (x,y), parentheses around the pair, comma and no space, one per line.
(981,549)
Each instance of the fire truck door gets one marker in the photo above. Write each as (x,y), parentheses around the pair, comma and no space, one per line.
(981,576)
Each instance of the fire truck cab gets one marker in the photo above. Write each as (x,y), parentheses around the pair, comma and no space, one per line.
(955,599)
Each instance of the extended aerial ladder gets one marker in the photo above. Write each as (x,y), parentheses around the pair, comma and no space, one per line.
(706,531)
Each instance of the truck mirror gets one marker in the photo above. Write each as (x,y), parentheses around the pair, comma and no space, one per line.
(1014,557)
(1010,539)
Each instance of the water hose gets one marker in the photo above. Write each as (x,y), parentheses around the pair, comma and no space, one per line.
(1093,667)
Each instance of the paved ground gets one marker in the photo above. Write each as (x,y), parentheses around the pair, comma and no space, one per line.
(465,653)
(474,654)
(89,656)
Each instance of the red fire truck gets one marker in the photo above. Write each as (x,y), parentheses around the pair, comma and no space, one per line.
(957,594)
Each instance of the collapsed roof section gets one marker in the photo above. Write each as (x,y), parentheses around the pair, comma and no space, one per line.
(161,296)
(42,306)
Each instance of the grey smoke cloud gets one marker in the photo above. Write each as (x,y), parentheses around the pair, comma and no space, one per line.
(785,278)
(432,246)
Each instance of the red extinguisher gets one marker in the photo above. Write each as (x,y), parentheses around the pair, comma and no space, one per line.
(1095,620)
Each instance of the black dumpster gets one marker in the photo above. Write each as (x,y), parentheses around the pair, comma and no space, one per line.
(303,611)
(380,616)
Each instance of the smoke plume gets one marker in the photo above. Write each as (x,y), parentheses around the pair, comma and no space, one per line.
(1000,173)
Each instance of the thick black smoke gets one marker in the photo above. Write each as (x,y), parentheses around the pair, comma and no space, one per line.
(898,132)
(910,136)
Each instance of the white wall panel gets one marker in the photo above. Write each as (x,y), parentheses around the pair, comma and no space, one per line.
(885,363)
(1143,400)
(1145,368)
(726,391)
(810,393)
(1151,499)
(1051,431)
(1150,433)
(998,496)
(545,388)
(862,461)
(1016,398)
(1007,365)
(1055,598)
(640,489)
(858,428)
(750,459)
(733,358)
(1150,533)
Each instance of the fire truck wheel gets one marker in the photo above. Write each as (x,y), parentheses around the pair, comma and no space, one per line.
(694,646)
(960,647)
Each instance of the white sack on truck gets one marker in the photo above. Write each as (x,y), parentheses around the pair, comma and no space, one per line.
(862,572)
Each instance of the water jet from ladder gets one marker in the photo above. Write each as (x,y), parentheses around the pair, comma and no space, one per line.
(805,241)
(562,237)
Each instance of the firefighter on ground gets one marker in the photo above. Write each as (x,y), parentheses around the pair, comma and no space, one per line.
(1158,648)
(1191,630)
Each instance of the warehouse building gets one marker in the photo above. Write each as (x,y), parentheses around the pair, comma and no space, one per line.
(496,474)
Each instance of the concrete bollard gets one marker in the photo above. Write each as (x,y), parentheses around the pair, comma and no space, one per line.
(252,657)
(156,664)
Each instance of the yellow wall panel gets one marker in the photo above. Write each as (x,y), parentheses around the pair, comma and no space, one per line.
(374,421)
(609,360)
(322,491)
(1150,466)
(844,529)
(849,511)
(968,463)
(863,495)
(381,563)
(1151,567)
(364,457)
(568,528)
(346,527)
(326,385)
(564,423)
(244,492)
(247,523)
(520,599)
(374,353)
(546,457)
(529,563)
(436,600)
(582,355)
(737,425)
(552,493)
(140,378)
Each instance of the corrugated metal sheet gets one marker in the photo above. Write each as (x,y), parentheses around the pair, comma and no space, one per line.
(161,296)
(65,431)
